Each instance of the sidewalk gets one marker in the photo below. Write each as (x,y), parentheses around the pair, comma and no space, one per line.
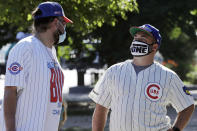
(83,122)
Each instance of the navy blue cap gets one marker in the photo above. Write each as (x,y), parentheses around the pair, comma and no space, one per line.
(149,29)
(51,9)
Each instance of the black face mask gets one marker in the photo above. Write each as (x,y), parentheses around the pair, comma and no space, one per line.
(139,48)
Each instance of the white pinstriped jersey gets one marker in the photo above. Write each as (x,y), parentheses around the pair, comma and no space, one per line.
(35,71)
(138,102)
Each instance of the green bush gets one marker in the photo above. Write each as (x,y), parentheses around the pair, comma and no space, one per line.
(192,75)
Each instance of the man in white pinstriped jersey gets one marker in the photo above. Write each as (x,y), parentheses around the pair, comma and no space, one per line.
(34,79)
(137,91)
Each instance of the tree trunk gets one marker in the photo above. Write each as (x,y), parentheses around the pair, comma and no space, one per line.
(80,76)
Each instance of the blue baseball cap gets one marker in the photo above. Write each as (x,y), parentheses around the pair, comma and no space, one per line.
(149,29)
(51,9)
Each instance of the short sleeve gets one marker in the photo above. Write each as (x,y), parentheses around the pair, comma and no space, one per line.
(101,94)
(18,65)
(180,98)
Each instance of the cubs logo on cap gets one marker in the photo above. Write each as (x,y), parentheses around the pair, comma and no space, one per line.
(153,91)
(15,68)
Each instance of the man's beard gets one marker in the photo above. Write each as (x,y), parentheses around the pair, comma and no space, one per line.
(56,37)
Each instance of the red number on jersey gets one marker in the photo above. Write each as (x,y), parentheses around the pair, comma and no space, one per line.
(56,84)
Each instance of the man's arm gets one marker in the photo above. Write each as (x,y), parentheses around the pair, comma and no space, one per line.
(183,118)
(99,118)
(10,100)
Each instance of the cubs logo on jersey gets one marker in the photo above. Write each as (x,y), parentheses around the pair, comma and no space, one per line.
(185,89)
(15,68)
(153,91)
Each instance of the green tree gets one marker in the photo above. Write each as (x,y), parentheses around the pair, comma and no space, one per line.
(104,24)
(177,22)
(87,15)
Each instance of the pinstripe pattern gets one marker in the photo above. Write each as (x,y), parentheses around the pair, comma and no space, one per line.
(128,96)
(178,97)
(151,106)
(35,111)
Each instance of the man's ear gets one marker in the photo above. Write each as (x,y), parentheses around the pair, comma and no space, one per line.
(55,21)
(52,23)
(155,47)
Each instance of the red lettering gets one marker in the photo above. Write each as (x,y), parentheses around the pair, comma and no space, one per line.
(153,91)
(56,84)
(59,86)
(53,89)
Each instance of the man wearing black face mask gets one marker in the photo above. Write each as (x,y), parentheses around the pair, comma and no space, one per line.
(137,91)
(34,79)
(140,46)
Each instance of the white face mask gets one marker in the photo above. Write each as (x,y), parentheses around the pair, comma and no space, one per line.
(139,48)
(62,37)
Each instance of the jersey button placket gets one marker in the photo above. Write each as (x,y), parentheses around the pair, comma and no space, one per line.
(136,101)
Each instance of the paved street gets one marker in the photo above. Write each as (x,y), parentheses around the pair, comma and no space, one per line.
(84,121)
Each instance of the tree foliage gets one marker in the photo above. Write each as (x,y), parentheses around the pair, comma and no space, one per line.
(101,26)
(177,22)
(178,29)
(86,14)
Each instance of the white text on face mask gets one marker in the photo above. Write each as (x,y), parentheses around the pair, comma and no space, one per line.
(139,48)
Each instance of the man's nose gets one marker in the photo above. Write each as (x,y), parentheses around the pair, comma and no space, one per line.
(136,38)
